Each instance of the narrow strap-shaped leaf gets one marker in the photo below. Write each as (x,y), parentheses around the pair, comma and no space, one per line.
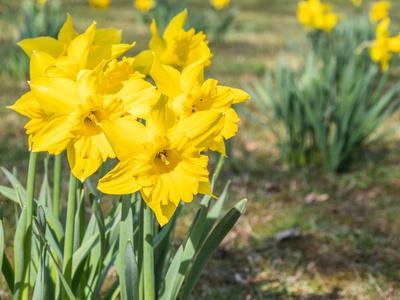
(131,273)
(212,242)
(100,225)
(19,242)
(8,272)
(191,244)
(172,273)
(14,182)
(57,186)
(126,234)
(148,252)
(2,244)
(102,278)
(82,252)
(65,285)
(214,212)
(9,193)
(44,194)
(69,234)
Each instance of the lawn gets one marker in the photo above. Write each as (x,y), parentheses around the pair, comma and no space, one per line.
(347,235)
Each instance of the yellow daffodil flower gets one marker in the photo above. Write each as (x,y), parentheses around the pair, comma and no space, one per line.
(379,10)
(73,111)
(145,5)
(97,44)
(357,2)
(178,48)
(71,51)
(383,47)
(219,4)
(316,15)
(102,4)
(162,159)
(188,94)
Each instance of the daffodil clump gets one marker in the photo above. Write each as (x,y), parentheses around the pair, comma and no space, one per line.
(316,15)
(84,100)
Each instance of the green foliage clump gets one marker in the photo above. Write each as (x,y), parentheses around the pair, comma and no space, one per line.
(334,104)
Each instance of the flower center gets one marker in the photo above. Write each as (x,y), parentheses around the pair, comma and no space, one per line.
(91,117)
(163,157)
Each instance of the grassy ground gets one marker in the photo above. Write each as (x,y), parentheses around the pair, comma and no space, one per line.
(349,234)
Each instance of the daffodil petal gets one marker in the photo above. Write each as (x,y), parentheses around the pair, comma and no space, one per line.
(125,137)
(163,212)
(119,181)
(67,32)
(202,127)
(205,189)
(53,137)
(55,95)
(44,44)
(240,95)
(91,82)
(156,45)
(106,52)
(161,119)
(80,47)
(194,71)
(26,105)
(176,23)
(166,78)
(81,167)
(107,36)
(144,61)
(40,61)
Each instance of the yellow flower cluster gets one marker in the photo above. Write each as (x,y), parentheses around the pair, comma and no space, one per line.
(219,4)
(384,46)
(85,101)
(316,15)
(144,5)
(379,11)
(102,4)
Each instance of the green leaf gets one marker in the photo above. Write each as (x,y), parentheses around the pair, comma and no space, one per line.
(8,272)
(210,245)
(191,244)
(9,193)
(14,182)
(2,244)
(67,289)
(126,234)
(131,273)
(214,212)
(82,252)
(101,227)
(102,278)
(19,243)
(171,275)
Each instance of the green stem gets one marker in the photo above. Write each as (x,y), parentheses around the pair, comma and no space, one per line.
(140,246)
(148,252)
(57,186)
(29,212)
(69,233)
